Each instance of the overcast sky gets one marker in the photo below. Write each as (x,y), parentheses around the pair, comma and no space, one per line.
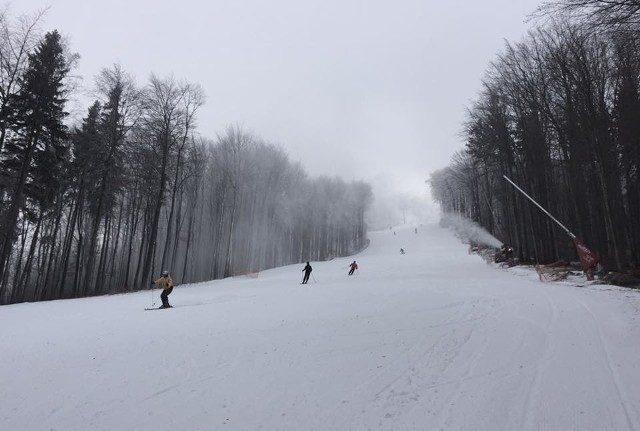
(371,90)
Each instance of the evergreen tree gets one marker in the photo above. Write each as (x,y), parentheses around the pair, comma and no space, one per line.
(37,124)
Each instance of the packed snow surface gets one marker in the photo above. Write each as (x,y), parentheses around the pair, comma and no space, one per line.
(435,339)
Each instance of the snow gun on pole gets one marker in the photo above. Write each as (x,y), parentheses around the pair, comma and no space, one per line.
(588,259)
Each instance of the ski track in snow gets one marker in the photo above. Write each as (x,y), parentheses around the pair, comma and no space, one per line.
(404,381)
(431,340)
(626,403)
(534,415)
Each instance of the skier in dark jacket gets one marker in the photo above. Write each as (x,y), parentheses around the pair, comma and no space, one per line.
(353,267)
(307,272)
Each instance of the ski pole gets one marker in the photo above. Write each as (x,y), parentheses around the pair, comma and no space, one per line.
(153,301)
(314,278)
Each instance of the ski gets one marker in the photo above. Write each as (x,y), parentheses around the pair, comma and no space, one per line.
(158,308)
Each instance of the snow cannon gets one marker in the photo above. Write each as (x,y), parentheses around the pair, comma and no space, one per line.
(505,254)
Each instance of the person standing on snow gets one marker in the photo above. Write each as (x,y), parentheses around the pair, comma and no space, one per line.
(353,266)
(307,272)
(167,287)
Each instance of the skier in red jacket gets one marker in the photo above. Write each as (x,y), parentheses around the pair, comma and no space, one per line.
(353,267)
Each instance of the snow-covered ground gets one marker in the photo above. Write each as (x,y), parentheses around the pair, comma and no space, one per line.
(435,339)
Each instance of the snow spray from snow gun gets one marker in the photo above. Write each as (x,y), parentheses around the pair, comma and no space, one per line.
(588,259)
(470,231)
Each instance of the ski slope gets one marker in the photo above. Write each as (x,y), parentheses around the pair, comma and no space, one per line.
(435,339)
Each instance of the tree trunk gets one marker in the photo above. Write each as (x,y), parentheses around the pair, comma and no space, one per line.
(8,225)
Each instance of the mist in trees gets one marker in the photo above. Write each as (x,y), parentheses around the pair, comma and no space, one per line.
(559,114)
(103,206)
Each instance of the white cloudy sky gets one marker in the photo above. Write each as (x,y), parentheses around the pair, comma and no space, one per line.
(360,89)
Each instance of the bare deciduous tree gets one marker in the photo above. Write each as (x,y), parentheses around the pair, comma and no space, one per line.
(601,14)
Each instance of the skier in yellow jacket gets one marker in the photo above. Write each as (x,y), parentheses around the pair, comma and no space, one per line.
(167,287)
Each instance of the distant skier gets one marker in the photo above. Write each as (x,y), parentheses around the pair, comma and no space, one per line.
(416,230)
(307,272)
(167,287)
(402,251)
(353,267)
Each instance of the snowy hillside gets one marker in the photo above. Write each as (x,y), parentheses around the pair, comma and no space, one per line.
(431,340)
